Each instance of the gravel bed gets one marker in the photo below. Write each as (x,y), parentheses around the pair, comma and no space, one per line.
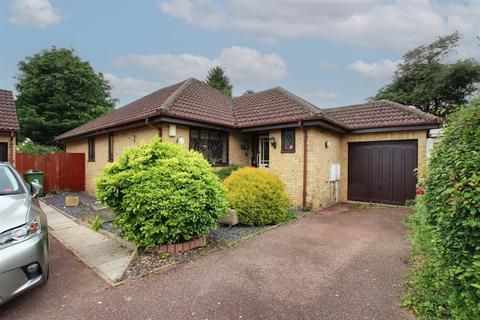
(216,240)
(225,233)
(58,200)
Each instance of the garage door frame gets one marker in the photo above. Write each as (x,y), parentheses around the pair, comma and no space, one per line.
(382,171)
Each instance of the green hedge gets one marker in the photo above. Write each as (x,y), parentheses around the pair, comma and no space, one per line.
(30,147)
(223,173)
(258,196)
(445,280)
(162,193)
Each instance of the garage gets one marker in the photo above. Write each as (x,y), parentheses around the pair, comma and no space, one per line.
(382,171)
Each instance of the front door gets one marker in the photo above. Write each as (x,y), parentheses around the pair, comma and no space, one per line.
(3,151)
(264,152)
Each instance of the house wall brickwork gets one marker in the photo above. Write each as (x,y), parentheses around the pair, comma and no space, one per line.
(121,140)
(11,141)
(235,154)
(127,138)
(320,191)
(289,166)
(419,135)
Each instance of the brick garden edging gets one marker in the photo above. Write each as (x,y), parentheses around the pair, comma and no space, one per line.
(181,247)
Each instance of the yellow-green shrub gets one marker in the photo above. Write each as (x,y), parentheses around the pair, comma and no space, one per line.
(258,196)
(162,193)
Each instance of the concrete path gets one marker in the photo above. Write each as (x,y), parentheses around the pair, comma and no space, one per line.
(105,256)
(341,263)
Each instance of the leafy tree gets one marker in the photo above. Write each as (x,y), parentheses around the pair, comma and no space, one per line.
(58,92)
(217,79)
(425,79)
(247,92)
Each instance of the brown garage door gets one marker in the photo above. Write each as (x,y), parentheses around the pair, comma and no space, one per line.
(382,171)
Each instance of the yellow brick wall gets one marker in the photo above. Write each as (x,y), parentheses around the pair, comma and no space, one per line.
(320,191)
(122,139)
(419,135)
(11,148)
(235,154)
(181,131)
(289,166)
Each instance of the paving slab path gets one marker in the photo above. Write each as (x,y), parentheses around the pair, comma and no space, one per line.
(107,257)
(341,263)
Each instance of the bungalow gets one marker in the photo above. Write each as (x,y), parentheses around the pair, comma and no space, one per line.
(8,126)
(365,152)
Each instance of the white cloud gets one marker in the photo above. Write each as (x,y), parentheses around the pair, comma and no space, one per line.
(242,65)
(383,69)
(128,86)
(322,94)
(36,13)
(368,23)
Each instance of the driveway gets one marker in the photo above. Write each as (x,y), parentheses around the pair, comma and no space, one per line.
(340,263)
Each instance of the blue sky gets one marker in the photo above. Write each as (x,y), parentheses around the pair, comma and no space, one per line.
(331,53)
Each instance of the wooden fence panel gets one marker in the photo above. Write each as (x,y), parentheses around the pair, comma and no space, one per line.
(62,171)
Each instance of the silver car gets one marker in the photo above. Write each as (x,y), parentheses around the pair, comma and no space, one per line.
(23,235)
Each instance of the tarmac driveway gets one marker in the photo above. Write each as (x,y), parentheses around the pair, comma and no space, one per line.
(340,263)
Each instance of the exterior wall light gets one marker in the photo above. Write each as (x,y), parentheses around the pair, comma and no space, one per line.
(273,142)
(327,144)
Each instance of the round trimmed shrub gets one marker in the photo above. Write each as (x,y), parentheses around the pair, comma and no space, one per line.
(162,194)
(258,196)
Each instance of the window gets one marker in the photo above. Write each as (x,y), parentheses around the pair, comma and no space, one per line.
(288,140)
(213,144)
(110,147)
(8,182)
(91,149)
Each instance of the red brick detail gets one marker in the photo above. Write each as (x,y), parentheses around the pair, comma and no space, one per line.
(181,247)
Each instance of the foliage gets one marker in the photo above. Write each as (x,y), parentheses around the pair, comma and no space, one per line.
(425,80)
(225,172)
(258,196)
(57,92)
(445,280)
(162,193)
(96,223)
(217,79)
(30,147)
(248,91)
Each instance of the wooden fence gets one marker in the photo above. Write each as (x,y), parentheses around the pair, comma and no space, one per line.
(62,171)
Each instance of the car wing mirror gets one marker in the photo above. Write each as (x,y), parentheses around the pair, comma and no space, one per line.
(35,188)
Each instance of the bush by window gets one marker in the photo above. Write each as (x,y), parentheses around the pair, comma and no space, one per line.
(162,194)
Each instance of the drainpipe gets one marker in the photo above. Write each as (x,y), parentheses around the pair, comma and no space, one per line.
(305,140)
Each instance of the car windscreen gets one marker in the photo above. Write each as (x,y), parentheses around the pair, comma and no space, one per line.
(9,183)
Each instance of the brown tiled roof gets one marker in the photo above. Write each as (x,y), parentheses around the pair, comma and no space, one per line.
(380,114)
(196,101)
(200,102)
(272,107)
(8,112)
(137,110)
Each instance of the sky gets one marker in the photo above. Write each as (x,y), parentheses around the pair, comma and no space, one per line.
(331,53)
